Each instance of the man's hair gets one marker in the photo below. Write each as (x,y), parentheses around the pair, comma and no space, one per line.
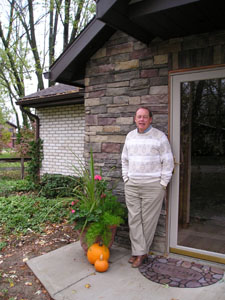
(144,107)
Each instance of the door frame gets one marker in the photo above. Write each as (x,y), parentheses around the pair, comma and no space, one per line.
(175,78)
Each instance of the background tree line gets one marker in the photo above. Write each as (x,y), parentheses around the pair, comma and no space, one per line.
(32,35)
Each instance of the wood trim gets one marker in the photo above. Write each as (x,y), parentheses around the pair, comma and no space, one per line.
(147,7)
(196,69)
(168,191)
(114,13)
(198,255)
(179,72)
(104,6)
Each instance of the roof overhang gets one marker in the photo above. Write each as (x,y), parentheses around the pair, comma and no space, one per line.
(56,100)
(142,19)
(176,18)
(69,68)
(114,13)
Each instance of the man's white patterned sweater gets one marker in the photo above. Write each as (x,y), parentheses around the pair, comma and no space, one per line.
(147,157)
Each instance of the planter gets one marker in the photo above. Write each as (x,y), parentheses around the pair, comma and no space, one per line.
(84,245)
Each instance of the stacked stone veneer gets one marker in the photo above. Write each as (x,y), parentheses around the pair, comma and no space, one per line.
(62,130)
(125,74)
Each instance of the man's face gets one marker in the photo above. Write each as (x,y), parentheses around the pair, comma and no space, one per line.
(142,119)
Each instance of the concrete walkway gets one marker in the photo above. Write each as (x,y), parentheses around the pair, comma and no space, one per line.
(67,275)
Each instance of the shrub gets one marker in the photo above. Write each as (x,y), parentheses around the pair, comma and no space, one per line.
(57,185)
(36,154)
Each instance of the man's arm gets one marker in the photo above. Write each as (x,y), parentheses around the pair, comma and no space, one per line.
(125,163)
(166,160)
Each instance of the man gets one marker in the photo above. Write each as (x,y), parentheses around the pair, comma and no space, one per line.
(147,165)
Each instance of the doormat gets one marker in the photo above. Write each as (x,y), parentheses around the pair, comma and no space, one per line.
(179,273)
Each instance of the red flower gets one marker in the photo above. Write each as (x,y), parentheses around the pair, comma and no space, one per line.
(98,177)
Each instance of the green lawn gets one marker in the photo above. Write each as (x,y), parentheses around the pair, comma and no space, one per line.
(11,170)
(9,154)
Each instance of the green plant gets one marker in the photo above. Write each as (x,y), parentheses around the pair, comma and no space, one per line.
(57,185)
(95,209)
(2,245)
(19,214)
(8,187)
(4,291)
(36,154)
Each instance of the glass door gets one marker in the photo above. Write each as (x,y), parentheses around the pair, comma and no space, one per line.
(197,210)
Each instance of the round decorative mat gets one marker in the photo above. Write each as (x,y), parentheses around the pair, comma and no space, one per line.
(179,273)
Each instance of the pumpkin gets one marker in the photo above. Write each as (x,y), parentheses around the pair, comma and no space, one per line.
(101,265)
(95,251)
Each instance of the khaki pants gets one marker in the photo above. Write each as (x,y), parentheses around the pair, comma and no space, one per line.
(144,204)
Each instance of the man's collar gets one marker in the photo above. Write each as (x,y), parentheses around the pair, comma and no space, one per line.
(146,130)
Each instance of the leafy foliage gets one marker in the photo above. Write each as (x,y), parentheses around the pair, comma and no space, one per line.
(8,187)
(4,132)
(36,153)
(57,185)
(19,214)
(2,245)
(102,228)
(24,138)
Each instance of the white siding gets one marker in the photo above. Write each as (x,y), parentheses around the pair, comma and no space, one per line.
(62,130)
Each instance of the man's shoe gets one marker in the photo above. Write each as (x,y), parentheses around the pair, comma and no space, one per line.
(139,261)
(132,259)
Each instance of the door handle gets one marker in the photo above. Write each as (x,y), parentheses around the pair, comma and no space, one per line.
(176,163)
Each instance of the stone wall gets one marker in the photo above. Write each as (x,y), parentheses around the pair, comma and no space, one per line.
(62,130)
(125,74)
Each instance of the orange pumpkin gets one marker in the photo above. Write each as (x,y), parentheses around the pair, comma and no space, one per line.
(101,265)
(95,251)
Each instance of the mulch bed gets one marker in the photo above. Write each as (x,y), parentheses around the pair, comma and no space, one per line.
(179,273)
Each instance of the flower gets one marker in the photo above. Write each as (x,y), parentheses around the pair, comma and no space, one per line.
(72,211)
(72,203)
(98,177)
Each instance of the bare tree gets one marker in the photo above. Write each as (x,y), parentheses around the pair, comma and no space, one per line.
(11,77)
(23,40)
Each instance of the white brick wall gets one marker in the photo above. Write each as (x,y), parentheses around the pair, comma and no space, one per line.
(62,130)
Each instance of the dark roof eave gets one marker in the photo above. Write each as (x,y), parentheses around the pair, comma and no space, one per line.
(79,51)
(114,13)
(143,20)
(73,98)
